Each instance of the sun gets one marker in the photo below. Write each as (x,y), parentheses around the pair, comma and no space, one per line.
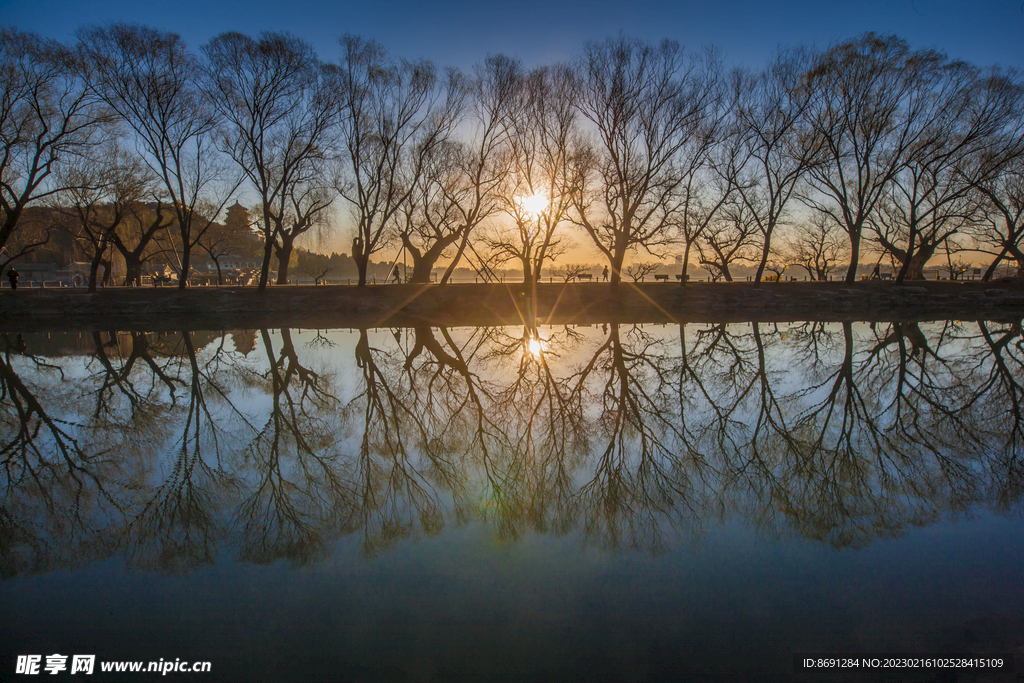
(535,347)
(533,206)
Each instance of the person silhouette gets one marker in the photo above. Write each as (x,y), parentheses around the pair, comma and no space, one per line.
(12,277)
(604,273)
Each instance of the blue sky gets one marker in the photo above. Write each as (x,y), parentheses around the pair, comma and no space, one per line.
(460,33)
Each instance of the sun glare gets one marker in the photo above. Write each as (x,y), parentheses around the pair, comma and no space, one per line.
(535,347)
(533,206)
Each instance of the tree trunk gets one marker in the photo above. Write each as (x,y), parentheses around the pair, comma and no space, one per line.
(421,270)
(362,260)
(992,268)
(910,255)
(132,271)
(419,263)
(458,257)
(915,267)
(268,252)
(764,258)
(527,271)
(94,269)
(618,256)
(686,265)
(7,227)
(423,263)
(362,266)
(284,255)
(185,254)
(851,272)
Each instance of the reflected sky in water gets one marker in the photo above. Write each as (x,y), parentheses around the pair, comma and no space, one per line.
(613,502)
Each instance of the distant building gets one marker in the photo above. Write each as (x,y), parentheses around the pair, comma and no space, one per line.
(75,275)
(35,272)
(234,269)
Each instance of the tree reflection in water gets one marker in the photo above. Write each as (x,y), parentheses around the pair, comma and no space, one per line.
(171,448)
(175,525)
(297,486)
(56,491)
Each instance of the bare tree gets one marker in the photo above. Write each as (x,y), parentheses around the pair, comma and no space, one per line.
(281,105)
(777,266)
(545,173)
(570,272)
(647,103)
(704,197)
(398,112)
(318,273)
(47,116)
(871,105)
(897,227)
(306,212)
(458,189)
(430,220)
(639,270)
(1000,230)
(977,131)
(137,240)
(150,80)
(730,238)
(769,150)
(816,245)
(101,189)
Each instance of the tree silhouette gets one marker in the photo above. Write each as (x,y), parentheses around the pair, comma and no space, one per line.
(652,106)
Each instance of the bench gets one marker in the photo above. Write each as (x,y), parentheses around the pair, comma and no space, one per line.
(661,277)
(585,276)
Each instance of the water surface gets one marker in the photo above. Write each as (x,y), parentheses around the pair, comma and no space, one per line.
(613,502)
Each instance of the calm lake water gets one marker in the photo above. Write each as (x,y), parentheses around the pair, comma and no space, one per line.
(605,503)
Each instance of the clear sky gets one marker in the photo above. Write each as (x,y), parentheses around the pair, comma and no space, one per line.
(462,33)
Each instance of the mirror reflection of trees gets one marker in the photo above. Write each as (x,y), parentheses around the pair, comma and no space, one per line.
(56,490)
(645,474)
(172,448)
(177,524)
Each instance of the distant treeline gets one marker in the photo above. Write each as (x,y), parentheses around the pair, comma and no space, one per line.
(125,144)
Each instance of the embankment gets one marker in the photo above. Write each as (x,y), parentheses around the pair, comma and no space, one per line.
(503,304)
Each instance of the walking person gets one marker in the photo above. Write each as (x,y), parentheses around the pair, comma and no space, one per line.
(12,277)
(604,273)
